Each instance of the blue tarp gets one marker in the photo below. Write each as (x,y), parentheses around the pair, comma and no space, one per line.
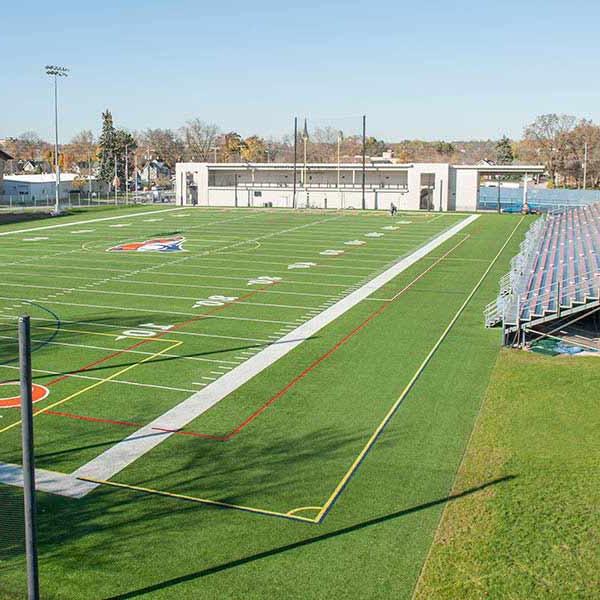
(511,199)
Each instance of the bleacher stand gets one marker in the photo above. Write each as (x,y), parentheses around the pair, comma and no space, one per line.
(555,275)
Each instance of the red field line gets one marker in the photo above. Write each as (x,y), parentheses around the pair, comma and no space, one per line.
(234,432)
(155,337)
(56,413)
(332,350)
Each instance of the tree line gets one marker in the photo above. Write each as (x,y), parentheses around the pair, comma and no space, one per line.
(566,145)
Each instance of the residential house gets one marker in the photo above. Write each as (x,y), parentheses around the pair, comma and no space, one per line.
(4,156)
(155,170)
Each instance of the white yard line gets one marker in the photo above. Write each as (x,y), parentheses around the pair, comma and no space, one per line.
(57,225)
(122,454)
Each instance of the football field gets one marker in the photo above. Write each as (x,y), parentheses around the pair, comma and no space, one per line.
(250,367)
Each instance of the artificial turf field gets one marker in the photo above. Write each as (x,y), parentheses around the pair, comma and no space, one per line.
(325,474)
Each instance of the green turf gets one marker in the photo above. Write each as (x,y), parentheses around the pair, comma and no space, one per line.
(373,541)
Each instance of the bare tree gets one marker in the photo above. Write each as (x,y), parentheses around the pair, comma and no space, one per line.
(548,139)
(162,144)
(198,139)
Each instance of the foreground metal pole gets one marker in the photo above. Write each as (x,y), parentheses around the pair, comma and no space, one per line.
(28,458)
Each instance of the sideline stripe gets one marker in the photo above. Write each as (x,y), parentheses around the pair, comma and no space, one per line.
(122,454)
(390,414)
(57,225)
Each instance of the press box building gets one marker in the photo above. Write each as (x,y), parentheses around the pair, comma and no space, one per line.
(412,186)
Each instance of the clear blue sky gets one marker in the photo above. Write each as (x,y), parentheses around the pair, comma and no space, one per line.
(432,70)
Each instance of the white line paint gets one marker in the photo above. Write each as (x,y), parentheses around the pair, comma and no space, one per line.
(122,454)
(57,225)
(47,481)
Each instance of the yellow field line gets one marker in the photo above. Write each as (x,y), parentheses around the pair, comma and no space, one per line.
(301,508)
(367,447)
(94,385)
(259,511)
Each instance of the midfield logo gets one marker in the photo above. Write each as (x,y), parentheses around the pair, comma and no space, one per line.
(172,244)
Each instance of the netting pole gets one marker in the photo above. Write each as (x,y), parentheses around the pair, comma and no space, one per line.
(364,159)
(295,160)
(28,458)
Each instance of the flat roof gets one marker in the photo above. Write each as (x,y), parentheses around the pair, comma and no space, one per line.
(370,165)
(502,168)
(41,178)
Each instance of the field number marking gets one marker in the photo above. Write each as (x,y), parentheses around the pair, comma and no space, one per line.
(215,301)
(264,280)
(331,252)
(144,330)
(302,265)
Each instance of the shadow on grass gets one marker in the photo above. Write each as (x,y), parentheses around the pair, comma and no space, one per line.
(103,524)
(9,348)
(309,541)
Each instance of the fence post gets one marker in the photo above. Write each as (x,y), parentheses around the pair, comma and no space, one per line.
(28,458)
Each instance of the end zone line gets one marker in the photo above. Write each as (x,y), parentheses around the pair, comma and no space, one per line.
(392,411)
(216,503)
(124,453)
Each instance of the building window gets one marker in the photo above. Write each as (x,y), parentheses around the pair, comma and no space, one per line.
(427,180)
(257,194)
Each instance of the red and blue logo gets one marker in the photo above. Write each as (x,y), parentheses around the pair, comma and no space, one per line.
(172,244)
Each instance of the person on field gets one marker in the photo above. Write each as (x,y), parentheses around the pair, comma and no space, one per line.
(393,209)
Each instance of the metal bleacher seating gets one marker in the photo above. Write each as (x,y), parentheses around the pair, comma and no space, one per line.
(555,274)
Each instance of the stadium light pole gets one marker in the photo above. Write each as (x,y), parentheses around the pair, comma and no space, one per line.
(126,173)
(56,72)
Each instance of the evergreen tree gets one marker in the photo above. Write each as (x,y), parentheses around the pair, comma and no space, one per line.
(504,151)
(113,145)
(107,148)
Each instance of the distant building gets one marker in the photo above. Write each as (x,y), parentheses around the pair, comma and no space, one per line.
(154,170)
(41,187)
(4,156)
(409,186)
(35,166)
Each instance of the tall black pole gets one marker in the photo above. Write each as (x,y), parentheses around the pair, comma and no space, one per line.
(235,186)
(364,160)
(295,159)
(498,182)
(28,458)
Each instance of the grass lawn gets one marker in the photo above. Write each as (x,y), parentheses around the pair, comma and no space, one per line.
(315,436)
(535,534)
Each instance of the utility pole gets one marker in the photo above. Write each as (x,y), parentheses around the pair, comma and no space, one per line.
(585,160)
(340,137)
(126,173)
(56,72)
(295,160)
(115,180)
(89,175)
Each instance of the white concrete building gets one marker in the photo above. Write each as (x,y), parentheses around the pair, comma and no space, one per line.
(4,156)
(40,187)
(414,186)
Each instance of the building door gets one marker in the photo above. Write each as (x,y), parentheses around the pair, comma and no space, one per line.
(427,188)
